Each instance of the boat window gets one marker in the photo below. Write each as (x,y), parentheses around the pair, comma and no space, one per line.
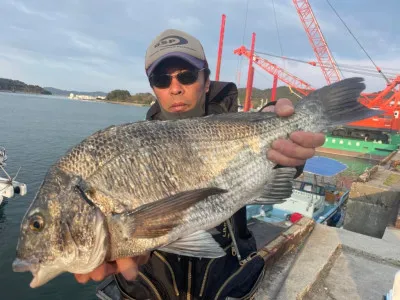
(297,185)
(316,189)
(308,188)
(321,191)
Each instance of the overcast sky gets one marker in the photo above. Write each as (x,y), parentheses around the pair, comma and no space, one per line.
(90,45)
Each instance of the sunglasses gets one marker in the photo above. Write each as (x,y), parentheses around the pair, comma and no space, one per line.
(163,81)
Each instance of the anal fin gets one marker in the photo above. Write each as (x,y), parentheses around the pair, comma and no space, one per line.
(280,188)
(198,244)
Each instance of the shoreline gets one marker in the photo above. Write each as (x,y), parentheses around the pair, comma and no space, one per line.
(82,100)
(111,102)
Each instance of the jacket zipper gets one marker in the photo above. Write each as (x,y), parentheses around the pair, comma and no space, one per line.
(230,277)
(227,281)
(189,295)
(121,290)
(252,292)
(151,285)
(163,259)
(203,284)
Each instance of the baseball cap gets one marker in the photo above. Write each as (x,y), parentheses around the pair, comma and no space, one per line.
(175,43)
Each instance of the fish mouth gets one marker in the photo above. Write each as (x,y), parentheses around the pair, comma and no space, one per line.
(42,273)
(20,265)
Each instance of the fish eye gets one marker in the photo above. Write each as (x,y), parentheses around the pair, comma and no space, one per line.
(36,223)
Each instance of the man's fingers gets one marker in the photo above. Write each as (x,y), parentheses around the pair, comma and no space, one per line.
(283,160)
(82,278)
(292,150)
(284,107)
(98,273)
(308,139)
(269,108)
(128,268)
(103,271)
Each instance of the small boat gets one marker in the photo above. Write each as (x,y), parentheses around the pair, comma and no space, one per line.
(312,197)
(8,186)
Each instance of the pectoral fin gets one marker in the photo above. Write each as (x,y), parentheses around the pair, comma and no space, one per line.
(280,188)
(198,244)
(158,218)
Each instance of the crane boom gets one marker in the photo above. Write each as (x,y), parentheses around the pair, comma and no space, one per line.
(300,85)
(317,40)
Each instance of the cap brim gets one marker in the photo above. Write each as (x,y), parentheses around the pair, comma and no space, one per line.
(197,63)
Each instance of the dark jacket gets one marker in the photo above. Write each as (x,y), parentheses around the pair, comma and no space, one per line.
(169,276)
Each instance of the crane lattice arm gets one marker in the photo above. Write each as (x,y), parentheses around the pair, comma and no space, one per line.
(317,40)
(379,100)
(291,80)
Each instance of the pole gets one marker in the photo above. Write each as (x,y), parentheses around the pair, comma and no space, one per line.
(221,44)
(275,84)
(249,86)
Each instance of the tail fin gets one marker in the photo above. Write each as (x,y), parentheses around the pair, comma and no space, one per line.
(339,102)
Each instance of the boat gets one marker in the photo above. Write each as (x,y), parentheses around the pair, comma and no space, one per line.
(314,196)
(358,147)
(8,186)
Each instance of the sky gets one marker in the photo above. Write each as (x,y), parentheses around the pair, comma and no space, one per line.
(99,45)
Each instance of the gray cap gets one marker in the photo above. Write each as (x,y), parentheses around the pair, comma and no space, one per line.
(175,43)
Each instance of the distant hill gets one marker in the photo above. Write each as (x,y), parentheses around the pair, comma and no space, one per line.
(59,92)
(124,96)
(21,87)
(258,95)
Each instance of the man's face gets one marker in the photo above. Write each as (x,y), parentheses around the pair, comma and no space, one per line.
(179,97)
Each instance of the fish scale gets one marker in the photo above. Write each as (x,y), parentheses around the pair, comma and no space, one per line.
(251,167)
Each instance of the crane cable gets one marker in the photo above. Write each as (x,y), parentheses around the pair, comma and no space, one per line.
(240,59)
(277,31)
(344,67)
(348,29)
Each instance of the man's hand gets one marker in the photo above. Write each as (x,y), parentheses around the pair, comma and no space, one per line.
(128,267)
(301,145)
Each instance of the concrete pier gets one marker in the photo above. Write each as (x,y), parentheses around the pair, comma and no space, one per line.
(332,263)
(359,261)
(374,200)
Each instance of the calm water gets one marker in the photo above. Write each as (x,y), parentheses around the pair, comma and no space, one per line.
(36,131)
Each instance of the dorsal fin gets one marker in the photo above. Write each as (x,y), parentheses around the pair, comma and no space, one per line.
(243,116)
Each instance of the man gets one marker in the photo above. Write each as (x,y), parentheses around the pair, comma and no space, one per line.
(179,76)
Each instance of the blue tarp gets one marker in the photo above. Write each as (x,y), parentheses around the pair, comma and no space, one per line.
(324,166)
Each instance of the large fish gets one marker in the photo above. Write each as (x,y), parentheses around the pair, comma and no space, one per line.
(133,188)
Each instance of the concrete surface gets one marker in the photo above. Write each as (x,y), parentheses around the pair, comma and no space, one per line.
(373,205)
(334,264)
(354,277)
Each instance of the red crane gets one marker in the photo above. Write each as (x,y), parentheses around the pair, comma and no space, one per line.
(291,80)
(390,120)
(318,42)
(372,127)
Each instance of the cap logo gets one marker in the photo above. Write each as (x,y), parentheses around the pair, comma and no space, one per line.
(171,40)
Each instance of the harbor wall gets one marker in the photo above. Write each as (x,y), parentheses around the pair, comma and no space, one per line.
(374,199)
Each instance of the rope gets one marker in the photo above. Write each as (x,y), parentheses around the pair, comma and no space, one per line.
(240,59)
(348,29)
(277,31)
(368,71)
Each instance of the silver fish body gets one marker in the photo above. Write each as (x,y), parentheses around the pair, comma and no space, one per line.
(148,185)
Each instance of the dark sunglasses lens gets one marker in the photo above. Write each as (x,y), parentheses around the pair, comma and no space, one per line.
(187,77)
(161,81)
